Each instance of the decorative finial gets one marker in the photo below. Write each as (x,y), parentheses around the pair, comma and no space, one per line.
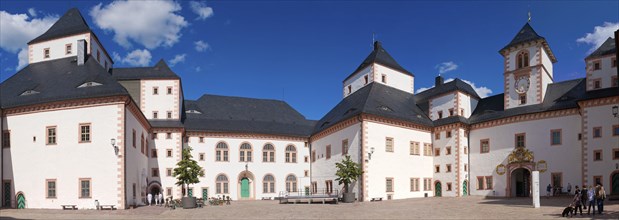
(529,20)
(373,39)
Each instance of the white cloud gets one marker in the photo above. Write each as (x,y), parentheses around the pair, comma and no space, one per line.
(17,29)
(32,12)
(179,58)
(599,35)
(201,46)
(22,58)
(198,69)
(136,58)
(116,57)
(151,24)
(482,91)
(201,10)
(446,67)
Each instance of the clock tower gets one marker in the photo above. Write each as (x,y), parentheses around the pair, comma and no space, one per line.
(527,68)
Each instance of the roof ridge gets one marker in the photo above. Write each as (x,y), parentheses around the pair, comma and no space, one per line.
(72,22)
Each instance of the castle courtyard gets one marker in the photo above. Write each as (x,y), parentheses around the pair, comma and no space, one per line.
(471,207)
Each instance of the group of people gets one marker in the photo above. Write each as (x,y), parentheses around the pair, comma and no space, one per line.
(158,199)
(592,196)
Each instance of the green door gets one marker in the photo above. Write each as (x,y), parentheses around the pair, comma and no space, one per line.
(190,192)
(245,188)
(205,194)
(465,188)
(615,186)
(21,201)
(6,196)
(437,189)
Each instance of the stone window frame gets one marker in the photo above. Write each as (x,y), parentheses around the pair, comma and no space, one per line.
(89,134)
(595,152)
(560,131)
(414,184)
(481,146)
(47,135)
(80,190)
(387,180)
(47,181)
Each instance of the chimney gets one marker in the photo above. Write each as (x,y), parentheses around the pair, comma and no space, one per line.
(81,51)
(377,45)
(439,81)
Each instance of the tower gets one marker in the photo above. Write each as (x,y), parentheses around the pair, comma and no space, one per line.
(527,72)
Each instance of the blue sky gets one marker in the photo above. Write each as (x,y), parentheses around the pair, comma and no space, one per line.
(300,51)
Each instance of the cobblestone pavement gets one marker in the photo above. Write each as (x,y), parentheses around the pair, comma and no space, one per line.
(472,207)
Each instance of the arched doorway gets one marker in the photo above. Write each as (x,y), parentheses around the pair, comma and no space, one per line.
(21,200)
(246,186)
(465,188)
(520,182)
(437,189)
(614,183)
(154,188)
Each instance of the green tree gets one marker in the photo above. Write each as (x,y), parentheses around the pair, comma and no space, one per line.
(187,170)
(347,172)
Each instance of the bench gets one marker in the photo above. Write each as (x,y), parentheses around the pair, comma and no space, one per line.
(377,199)
(104,207)
(266,198)
(69,207)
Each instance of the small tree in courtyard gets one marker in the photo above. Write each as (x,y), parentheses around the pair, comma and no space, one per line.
(347,172)
(187,170)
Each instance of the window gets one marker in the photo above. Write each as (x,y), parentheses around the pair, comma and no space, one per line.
(245,153)
(201,139)
(168,172)
(613,81)
(437,135)
(155,114)
(169,90)
(142,143)
(613,62)
(68,49)
(523,59)
(451,112)
(448,167)
(306,159)
(427,184)
(466,150)
(314,156)
(597,84)
(221,184)
(51,188)
(615,130)
(6,138)
(414,148)
(480,182)
(306,173)
(596,65)
(153,153)
(448,186)
(365,79)
(466,167)
(155,136)
(440,114)
(268,153)
(155,172)
(597,155)
(268,184)
(85,189)
(168,135)
(201,156)
(597,132)
(155,90)
(462,112)
(84,133)
(349,89)
(597,179)
(437,152)
(169,115)
(345,147)
(98,56)
(447,150)
(329,186)
(51,135)
(520,140)
(46,53)
(134,187)
(523,99)
(427,149)
(291,154)
(328,151)
(169,153)
(389,144)
(555,137)
(616,154)
(448,134)
(133,138)
(484,146)
(489,182)
(414,184)
(437,168)
(221,152)
(291,183)
(168,191)
(383,78)
(389,185)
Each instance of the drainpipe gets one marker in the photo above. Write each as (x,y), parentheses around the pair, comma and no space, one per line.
(468,180)
(361,154)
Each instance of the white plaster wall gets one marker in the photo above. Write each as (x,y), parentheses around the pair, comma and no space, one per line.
(513,55)
(95,47)
(323,169)
(547,62)
(514,97)
(357,81)
(600,116)
(161,102)
(399,164)
(605,73)
(502,143)
(56,48)
(468,103)
(442,103)
(545,81)
(233,169)
(443,159)
(28,163)
(162,162)
(137,162)
(395,79)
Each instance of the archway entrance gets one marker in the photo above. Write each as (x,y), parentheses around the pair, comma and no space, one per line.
(521,182)
(246,186)
(437,189)
(21,201)
(614,183)
(154,188)
(465,188)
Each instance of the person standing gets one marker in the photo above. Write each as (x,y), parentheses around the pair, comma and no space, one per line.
(577,202)
(160,198)
(591,199)
(600,196)
(149,197)
(548,189)
(569,188)
(583,196)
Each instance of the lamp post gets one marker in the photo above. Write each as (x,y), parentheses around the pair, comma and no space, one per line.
(113,142)
(370,153)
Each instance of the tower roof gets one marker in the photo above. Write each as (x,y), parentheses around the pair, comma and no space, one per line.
(70,23)
(379,55)
(527,34)
(608,47)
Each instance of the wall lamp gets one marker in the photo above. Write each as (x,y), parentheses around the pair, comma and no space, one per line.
(370,153)
(615,110)
(113,142)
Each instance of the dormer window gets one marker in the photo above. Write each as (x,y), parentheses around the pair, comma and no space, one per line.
(349,89)
(98,56)
(68,49)
(440,114)
(523,99)
(89,84)
(383,78)
(451,112)
(46,53)
(29,92)
(193,111)
(365,80)
(613,62)
(523,59)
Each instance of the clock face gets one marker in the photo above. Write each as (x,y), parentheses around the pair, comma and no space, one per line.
(522,84)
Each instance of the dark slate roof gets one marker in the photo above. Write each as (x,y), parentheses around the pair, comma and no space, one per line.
(379,55)
(608,47)
(245,115)
(57,80)
(70,23)
(159,71)
(164,123)
(375,99)
(525,34)
(451,86)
